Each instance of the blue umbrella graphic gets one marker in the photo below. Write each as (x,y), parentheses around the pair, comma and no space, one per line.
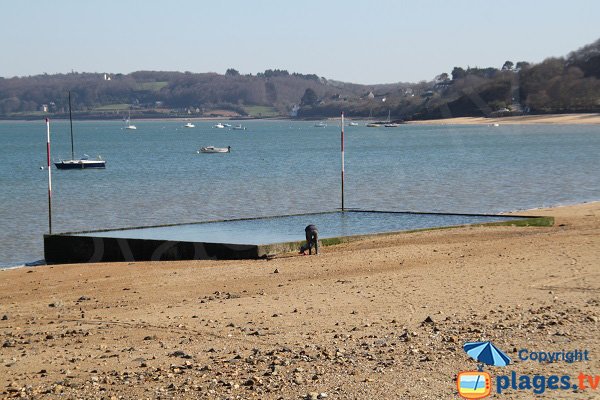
(487,353)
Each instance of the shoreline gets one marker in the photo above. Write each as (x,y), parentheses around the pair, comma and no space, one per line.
(542,119)
(379,318)
(545,119)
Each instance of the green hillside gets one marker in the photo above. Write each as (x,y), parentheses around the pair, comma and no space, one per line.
(556,85)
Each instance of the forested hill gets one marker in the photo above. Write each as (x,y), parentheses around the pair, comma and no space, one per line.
(556,85)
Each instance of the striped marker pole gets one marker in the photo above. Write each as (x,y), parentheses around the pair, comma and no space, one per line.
(342,161)
(49,177)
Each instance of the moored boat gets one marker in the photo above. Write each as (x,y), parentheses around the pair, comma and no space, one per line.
(128,124)
(213,149)
(81,163)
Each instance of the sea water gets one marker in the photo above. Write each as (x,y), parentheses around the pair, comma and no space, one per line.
(155,176)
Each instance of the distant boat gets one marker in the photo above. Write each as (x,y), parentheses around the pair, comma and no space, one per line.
(219,125)
(81,163)
(189,125)
(128,124)
(321,125)
(239,128)
(227,125)
(353,124)
(374,125)
(213,149)
(389,123)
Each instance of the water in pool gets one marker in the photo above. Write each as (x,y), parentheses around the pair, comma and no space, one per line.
(291,228)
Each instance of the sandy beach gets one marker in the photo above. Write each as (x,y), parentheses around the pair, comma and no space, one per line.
(555,119)
(381,318)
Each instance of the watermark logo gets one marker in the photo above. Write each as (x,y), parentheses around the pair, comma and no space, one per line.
(474,384)
(478,384)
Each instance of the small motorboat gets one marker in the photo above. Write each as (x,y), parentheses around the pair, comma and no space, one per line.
(213,149)
(392,125)
(219,125)
(227,125)
(239,128)
(189,125)
(321,125)
(353,124)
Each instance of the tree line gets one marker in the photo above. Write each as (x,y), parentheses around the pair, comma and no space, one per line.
(556,85)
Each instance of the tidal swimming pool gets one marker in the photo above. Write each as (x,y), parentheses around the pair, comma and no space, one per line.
(247,238)
(291,228)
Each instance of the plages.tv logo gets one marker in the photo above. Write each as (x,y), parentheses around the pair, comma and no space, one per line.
(478,384)
(474,384)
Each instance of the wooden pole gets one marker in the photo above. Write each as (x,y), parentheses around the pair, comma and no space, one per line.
(49,166)
(342,161)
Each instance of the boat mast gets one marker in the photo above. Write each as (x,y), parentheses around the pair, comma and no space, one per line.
(71,121)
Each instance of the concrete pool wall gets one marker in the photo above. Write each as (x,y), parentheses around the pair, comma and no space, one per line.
(252,238)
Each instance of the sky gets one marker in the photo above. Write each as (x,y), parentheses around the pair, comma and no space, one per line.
(363,41)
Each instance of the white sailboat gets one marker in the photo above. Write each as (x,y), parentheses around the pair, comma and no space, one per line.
(389,123)
(128,124)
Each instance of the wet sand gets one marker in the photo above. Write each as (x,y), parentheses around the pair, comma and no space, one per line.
(555,119)
(381,318)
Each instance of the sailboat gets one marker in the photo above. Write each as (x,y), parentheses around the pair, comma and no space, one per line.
(389,123)
(81,163)
(372,124)
(128,124)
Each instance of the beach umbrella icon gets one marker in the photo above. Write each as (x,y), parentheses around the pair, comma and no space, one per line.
(487,353)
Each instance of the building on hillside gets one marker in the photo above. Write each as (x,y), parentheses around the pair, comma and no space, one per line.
(294,110)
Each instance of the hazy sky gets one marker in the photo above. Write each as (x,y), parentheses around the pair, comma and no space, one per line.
(354,41)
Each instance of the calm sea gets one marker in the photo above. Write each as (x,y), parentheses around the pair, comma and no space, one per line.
(154,175)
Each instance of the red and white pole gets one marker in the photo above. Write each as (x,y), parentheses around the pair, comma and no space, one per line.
(342,161)
(49,177)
